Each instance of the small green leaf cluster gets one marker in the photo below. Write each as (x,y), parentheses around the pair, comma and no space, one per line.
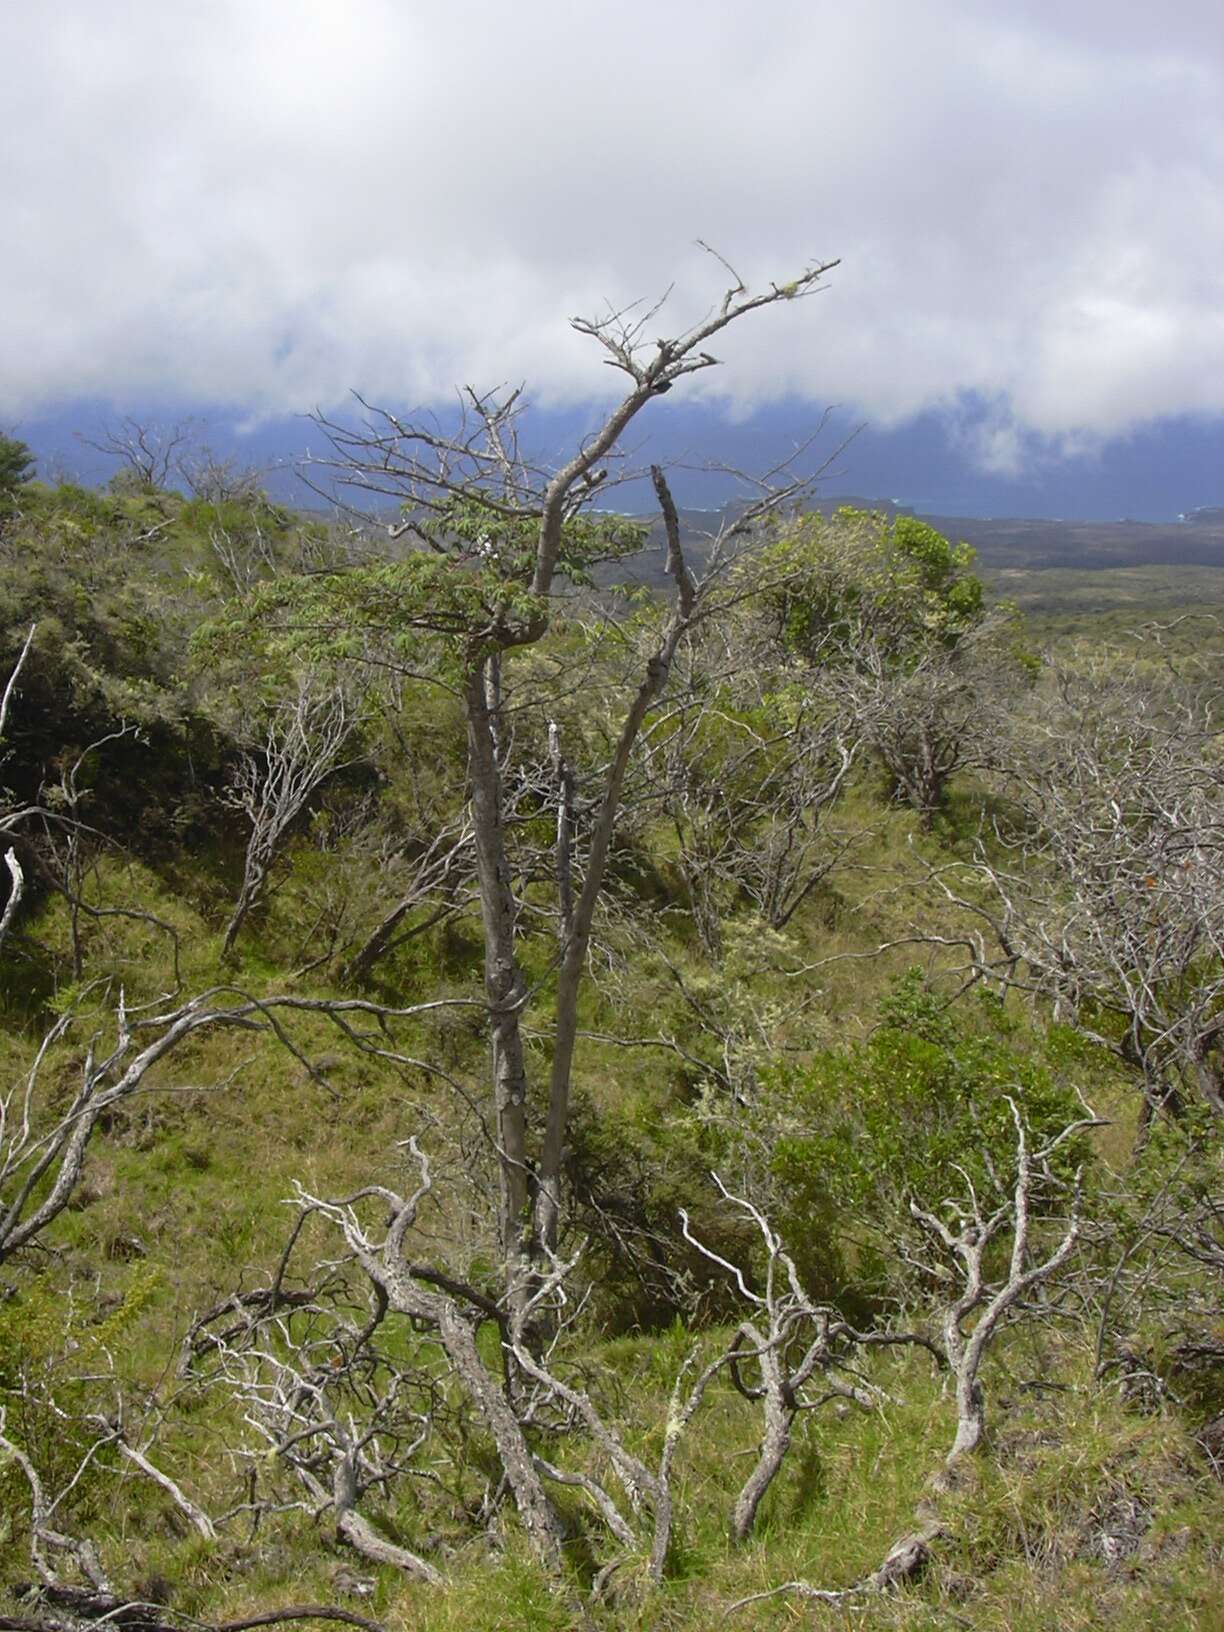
(423,612)
(435,609)
(470,527)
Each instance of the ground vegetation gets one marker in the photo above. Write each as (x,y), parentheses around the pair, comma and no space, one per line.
(528,1101)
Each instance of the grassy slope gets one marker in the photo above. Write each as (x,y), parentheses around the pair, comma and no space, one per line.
(186,1198)
(1089,1512)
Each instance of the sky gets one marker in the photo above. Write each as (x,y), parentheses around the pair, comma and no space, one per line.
(246,209)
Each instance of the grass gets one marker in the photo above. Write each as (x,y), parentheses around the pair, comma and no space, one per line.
(187,1196)
(1118,595)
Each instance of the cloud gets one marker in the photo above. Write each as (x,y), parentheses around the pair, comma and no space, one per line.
(266,205)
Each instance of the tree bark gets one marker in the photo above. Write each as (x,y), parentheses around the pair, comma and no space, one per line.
(364,1538)
(573,961)
(775,1442)
(505,987)
(538,1515)
(457,1335)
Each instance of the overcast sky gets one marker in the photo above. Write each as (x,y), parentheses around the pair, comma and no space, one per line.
(264,203)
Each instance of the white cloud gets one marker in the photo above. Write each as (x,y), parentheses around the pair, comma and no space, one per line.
(266,202)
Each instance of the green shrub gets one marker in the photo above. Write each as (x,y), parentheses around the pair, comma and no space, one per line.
(918,1111)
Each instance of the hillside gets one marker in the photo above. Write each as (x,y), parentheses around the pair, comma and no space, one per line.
(873,1054)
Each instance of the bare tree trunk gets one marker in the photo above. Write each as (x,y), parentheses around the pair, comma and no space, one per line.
(10,685)
(775,1442)
(439,861)
(784,1318)
(538,1515)
(573,962)
(970,1417)
(255,876)
(16,889)
(380,942)
(480,465)
(967,1246)
(505,987)
(363,1537)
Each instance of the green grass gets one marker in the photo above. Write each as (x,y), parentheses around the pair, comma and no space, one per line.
(201,1178)
(1108,595)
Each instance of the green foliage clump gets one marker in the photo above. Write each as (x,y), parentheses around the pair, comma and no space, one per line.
(435,611)
(919,1110)
(16,467)
(900,578)
(107,653)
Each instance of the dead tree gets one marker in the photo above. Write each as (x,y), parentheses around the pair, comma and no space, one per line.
(647,1490)
(350,1411)
(253,542)
(278,774)
(65,850)
(964,1234)
(147,454)
(1158,1258)
(796,1347)
(68,1609)
(925,705)
(54,1603)
(218,480)
(15,892)
(1105,892)
(344,1416)
(61,1605)
(86,1439)
(438,866)
(432,1300)
(47,1540)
